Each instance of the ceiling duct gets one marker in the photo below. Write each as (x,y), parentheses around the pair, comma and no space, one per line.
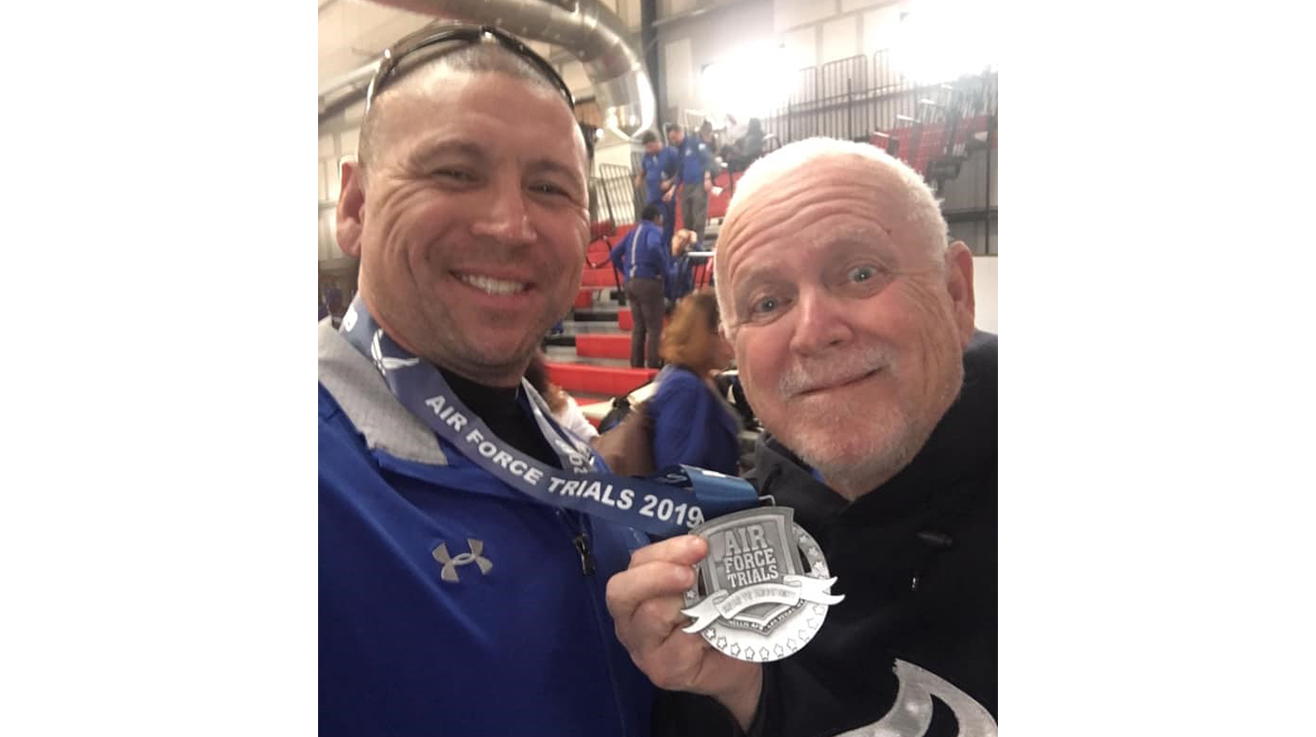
(591,32)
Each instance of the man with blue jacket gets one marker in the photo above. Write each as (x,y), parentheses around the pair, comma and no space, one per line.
(452,599)
(659,167)
(694,180)
(644,260)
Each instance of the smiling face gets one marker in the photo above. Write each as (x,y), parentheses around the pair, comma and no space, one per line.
(849,318)
(472,222)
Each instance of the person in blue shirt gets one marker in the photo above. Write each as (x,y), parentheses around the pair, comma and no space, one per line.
(643,261)
(658,177)
(694,179)
(451,602)
(692,423)
(680,277)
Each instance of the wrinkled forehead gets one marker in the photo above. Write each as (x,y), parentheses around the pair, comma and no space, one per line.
(849,194)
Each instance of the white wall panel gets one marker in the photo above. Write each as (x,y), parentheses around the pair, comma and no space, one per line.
(351,32)
(617,152)
(787,14)
(333,178)
(325,253)
(328,249)
(840,39)
(354,113)
(677,72)
(802,47)
(984,292)
(573,73)
(347,141)
(629,11)
(848,5)
(676,7)
(881,28)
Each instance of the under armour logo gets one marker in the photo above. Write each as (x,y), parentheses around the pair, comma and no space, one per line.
(450,563)
(387,363)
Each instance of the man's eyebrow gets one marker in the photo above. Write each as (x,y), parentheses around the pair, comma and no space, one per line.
(429,150)
(863,236)
(752,276)
(554,166)
(571,174)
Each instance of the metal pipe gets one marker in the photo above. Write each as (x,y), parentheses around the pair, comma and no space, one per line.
(649,44)
(345,87)
(587,29)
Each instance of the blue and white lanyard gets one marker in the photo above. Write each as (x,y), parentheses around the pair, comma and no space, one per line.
(671,502)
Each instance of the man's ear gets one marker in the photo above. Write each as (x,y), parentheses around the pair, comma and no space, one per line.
(959,283)
(351,213)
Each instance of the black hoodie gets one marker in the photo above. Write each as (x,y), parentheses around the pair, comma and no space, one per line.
(916,560)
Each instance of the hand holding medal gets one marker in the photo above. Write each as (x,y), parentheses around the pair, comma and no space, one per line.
(646,601)
(752,597)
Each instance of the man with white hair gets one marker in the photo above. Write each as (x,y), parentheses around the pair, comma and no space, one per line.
(852,321)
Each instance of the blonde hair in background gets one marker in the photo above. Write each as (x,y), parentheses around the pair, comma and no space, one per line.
(681,240)
(689,339)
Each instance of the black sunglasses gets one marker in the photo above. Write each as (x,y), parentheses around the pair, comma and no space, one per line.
(470,34)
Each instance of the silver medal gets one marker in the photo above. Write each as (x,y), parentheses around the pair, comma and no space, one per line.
(753,598)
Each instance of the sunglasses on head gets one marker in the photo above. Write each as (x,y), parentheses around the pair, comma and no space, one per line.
(462,33)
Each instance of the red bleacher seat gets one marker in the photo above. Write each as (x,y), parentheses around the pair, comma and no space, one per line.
(603,346)
(601,230)
(599,380)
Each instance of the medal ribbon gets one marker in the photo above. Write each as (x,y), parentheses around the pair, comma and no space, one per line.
(671,502)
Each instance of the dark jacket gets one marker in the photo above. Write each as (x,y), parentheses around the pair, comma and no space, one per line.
(916,560)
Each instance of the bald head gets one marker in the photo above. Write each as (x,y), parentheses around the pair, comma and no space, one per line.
(848,310)
(472,220)
(768,181)
(420,72)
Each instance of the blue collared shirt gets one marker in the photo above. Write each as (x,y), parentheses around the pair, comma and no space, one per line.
(658,167)
(695,160)
(641,253)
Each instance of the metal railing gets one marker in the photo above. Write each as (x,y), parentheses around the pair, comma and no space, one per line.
(945,130)
(858,97)
(617,200)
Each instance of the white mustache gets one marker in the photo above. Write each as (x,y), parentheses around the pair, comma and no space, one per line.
(833,371)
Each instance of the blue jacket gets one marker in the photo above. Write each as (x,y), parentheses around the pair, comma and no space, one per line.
(658,167)
(691,425)
(641,253)
(450,603)
(695,160)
